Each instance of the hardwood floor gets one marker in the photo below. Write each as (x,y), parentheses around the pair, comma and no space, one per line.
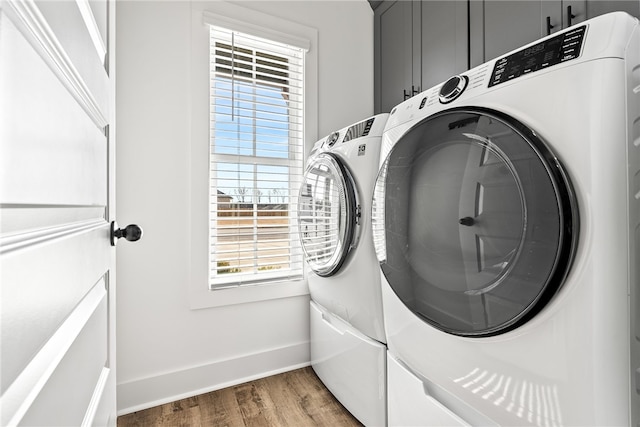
(296,398)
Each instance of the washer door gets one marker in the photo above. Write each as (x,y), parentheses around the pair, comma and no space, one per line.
(474,222)
(327,214)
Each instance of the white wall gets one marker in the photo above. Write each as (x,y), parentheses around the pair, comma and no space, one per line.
(165,349)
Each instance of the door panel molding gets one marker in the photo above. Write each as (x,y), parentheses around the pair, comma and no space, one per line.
(21,218)
(40,287)
(31,238)
(23,392)
(52,151)
(34,27)
(93,411)
(93,28)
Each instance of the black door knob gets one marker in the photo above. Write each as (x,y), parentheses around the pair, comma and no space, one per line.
(131,232)
(467,220)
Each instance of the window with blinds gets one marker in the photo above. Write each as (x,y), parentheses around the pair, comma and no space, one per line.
(256,159)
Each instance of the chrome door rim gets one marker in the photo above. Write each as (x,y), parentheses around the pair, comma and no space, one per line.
(346,232)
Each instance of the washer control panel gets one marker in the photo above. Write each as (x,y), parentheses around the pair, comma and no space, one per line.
(561,48)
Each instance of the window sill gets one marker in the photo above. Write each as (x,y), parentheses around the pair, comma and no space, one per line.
(205,298)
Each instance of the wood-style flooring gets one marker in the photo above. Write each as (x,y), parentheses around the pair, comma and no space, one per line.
(296,398)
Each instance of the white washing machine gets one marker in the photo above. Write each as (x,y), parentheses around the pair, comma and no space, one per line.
(334,215)
(506,218)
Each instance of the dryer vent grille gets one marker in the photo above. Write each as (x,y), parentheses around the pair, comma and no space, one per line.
(359,130)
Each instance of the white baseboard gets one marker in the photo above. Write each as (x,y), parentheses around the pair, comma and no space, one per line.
(164,388)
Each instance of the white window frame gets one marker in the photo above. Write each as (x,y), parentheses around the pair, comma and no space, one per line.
(246,107)
(249,21)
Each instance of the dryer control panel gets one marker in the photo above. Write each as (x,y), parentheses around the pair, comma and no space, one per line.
(561,48)
(358,130)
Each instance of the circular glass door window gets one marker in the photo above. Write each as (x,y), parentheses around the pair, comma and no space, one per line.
(327,214)
(474,222)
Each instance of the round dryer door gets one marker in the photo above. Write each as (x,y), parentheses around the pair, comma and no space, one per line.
(474,222)
(327,214)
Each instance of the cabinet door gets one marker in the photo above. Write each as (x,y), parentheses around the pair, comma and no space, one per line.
(444,41)
(497,27)
(393,54)
(572,12)
(582,10)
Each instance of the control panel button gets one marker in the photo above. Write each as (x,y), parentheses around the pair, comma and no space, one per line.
(453,88)
(332,139)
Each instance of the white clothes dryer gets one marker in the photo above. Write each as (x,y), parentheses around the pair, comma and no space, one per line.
(506,219)
(334,218)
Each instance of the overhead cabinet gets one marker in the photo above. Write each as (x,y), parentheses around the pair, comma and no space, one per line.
(394,72)
(497,27)
(419,44)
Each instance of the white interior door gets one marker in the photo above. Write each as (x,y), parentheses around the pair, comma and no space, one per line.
(56,192)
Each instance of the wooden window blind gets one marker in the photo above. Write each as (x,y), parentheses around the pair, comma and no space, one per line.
(256,159)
